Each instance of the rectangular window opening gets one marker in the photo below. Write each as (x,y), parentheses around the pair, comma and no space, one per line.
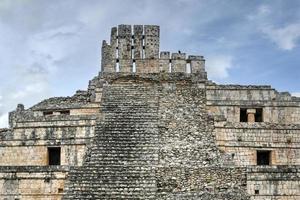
(263,157)
(117,52)
(243,115)
(132,53)
(64,112)
(143,53)
(46,113)
(54,155)
(170,66)
(117,66)
(133,66)
(258,114)
(143,46)
(188,68)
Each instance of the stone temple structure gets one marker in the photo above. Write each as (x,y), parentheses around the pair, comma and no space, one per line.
(152,126)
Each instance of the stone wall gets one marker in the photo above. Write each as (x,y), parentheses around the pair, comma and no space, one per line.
(278,134)
(32,182)
(27,143)
(201,183)
(242,140)
(226,100)
(277,182)
(189,160)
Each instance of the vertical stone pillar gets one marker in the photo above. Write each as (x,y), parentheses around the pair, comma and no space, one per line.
(138,41)
(178,62)
(107,62)
(151,41)
(124,47)
(138,46)
(251,115)
(114,42)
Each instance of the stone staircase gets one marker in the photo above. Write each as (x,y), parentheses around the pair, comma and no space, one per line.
(124,153)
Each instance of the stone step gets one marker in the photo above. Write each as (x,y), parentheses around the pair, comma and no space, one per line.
(128,142)
(125,145)
(129,109)
(131,112)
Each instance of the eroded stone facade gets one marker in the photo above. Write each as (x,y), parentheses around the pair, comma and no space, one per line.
(151,126)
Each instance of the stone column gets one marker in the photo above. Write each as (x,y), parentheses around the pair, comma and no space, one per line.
(251,115)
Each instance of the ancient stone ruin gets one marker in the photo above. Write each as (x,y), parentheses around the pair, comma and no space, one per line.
(152,126)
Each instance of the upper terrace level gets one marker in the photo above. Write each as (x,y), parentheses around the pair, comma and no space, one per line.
(136,49)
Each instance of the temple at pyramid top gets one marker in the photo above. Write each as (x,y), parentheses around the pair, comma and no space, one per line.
(135,49)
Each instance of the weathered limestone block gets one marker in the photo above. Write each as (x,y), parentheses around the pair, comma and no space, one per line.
(125,66)
(164,62)
(179,62)
(197,64)
(147,66)
(195,182)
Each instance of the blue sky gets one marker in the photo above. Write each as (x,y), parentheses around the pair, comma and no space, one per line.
(52,48)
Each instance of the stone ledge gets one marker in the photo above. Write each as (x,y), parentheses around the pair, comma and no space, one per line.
(257,125)
(274,169)
(253,103)
(33,169)
(215,86)
(155,77)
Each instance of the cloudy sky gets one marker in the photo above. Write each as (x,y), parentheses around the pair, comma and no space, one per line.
(52,48)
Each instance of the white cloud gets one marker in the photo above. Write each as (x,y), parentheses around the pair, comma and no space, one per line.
(296,94)
(30,90)
(217,66)
(262,11)
(4,120)
(286,37)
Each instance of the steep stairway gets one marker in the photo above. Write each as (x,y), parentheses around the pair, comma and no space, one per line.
(124,152)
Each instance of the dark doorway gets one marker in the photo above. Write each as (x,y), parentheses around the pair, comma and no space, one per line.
(263,157)
(259,115)
(54,155)
(65,112)
(243,115)
(47,113)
